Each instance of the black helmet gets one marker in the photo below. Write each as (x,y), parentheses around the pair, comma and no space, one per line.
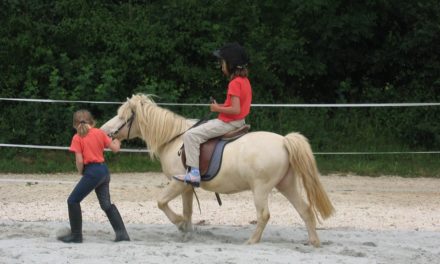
(234,55)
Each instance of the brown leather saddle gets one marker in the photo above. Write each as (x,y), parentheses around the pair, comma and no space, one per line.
(211,152)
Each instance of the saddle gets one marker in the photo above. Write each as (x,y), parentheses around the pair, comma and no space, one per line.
(211,152)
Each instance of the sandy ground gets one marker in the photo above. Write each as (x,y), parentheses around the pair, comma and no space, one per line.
(378,220)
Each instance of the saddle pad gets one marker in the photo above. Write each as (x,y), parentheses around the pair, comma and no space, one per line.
(209,167)
(211,153)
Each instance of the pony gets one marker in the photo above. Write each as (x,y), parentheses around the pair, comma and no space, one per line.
(258,161)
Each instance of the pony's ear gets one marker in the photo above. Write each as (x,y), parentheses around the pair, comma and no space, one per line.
(128,102)
(131,104)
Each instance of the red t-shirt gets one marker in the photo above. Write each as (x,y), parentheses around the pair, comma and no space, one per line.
(91,146)
(241,87)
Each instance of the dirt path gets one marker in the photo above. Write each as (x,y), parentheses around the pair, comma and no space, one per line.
(378,220)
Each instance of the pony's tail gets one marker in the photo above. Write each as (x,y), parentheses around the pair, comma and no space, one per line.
(303,163)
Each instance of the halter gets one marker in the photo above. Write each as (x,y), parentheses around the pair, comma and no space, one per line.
(129,122)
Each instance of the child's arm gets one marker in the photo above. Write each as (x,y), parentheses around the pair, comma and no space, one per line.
(234,109)
(79,162)
(115,145)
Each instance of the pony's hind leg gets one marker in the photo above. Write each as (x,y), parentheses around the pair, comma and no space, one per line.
(261,204)
(289,188)
(183,222)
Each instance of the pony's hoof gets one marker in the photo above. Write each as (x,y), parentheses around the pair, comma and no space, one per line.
(315,243)
(250,242)
(185,227)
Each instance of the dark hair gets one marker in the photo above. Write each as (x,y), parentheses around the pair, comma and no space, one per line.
(244,72)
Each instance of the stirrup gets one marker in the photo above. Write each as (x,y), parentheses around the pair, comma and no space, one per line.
(187,179)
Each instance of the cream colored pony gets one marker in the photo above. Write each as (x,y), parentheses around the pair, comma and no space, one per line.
(258,161)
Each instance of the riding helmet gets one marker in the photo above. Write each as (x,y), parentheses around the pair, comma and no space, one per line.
(234,55)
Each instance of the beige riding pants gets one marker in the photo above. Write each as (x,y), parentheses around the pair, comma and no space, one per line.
(202,133)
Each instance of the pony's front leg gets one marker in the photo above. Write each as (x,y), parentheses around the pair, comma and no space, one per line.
(187,204)
(183,222)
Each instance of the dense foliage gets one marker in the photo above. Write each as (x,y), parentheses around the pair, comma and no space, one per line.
(315,51)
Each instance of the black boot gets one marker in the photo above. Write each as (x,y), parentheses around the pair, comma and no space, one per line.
(117,224)
(75,218)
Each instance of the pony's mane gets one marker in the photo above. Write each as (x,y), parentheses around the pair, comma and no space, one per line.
(158,126)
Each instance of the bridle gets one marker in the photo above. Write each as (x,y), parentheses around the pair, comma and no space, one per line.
(129,122)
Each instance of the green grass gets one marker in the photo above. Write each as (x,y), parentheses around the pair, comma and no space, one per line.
(405,165)
(42,161)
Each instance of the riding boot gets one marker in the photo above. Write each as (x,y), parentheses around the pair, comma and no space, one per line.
(118,225)
(75,219)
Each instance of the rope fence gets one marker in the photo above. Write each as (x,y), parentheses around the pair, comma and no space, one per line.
(146,150)
(253,105)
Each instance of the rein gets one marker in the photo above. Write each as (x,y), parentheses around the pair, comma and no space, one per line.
(196,124)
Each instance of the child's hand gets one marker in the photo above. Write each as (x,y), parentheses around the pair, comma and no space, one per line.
(116,142)
(214,107)
(115,145)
